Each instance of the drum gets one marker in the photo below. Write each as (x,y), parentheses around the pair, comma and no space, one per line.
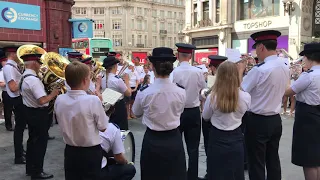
(129,145)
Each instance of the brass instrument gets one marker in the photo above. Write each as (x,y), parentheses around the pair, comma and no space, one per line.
(27,49)
(125,66)
(286,53)
(205,92)
(98,70)
(52,72)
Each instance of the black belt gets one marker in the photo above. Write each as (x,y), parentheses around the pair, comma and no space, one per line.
(38,108)
(192,108)
(254,114)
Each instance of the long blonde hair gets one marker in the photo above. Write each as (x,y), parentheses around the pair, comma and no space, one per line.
(226,87)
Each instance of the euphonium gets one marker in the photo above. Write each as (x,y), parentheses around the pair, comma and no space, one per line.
(52,72)
(98,69)
(27,49)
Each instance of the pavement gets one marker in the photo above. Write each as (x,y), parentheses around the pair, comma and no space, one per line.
(54,156)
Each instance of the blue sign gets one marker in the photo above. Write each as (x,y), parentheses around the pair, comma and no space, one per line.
(82,28)
(64,51)
(20,16)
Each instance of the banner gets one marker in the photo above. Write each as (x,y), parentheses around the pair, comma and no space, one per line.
(82,28)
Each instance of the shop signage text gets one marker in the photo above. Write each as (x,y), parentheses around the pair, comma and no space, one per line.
(20,16)
(257,25)
(82,28)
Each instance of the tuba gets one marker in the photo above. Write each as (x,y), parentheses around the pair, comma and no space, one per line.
(27,49)
(98,70)
(52,73)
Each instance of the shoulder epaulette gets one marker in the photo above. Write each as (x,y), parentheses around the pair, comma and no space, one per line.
(285,63)
(116,125)
(144,87)
(179,86)
(198,67)
(309,71)
(117,76)
(260,64)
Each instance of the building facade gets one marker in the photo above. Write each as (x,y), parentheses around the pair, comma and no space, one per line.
(214,25)
(135,26)
(40,22)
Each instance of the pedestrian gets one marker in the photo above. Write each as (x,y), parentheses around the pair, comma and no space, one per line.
(192,79)
(36,102)
(80,117)
(12,76)
(224,108)
(160,105)
(266,83)
(306,129)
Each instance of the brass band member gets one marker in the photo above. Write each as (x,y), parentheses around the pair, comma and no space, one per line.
(81,117)
(305,143)
(192,79)
(215,61)
(161,105)
(7,104)
(266,83)
(12,76)
(114,82)
(36,101)
(74,56)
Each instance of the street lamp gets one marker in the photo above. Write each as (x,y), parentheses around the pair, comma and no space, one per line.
(288,6)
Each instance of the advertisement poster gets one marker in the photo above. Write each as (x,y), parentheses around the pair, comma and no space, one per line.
(141,55)
(201,55)
(282,44)
(82,28)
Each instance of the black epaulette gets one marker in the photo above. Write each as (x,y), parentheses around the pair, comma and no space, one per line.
(309,71)
(117,76)
(198,67)
(285,63)
(260,64)
(144,87)
(179,86)
(116,125)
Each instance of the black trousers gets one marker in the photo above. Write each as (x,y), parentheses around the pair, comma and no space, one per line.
(190,126)
(50,121)
(18,109)
(262,136)
(225,154)
(7,109)
(118,172)
(82,163)
(162,156)
(120,115)
(37,120)
(205,132)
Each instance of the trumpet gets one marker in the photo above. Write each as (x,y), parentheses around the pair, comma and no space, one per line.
(205,92)
(124,68)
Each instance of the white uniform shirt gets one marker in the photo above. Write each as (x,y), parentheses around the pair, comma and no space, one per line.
(111,140)
(32,89)
(133,77)
(80,118)
(2,80)
(192,79)
(307,87)
(152,77)
(119,68)
(11,73)
(139,69)
(266,83)
(226,121)
(92,86)
(161,105)
(114,82)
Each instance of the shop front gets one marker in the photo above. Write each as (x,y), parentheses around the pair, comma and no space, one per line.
(141,55)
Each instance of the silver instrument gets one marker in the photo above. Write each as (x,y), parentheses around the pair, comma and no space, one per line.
(129,145)
(205,92)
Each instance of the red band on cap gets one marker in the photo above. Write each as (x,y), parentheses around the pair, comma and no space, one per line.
(74,56)
(3,59)
(31,58)
(266,37)
(10,49)
(118,55)
(184,50)
(87,62)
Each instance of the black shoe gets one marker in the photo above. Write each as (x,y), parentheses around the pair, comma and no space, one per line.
(51,137)
(21,160)
(9,129)
(42,175)
(203,178)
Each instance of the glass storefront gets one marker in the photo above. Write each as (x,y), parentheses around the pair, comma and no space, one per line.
(259,8)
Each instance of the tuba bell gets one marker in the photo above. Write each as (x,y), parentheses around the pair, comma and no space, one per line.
(27,49)
(52,73)
(98,70)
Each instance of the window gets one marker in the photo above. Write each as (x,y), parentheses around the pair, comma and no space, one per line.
(132,23)
(162,42)
(162,14)
(250,9)
(145,40)
(174,15)
(180,27)
(180,40)
(217,11)
(116,24)
(169,41)
(116,10)
(145,11)
(98,24)
(139,11)
(99,11)
(154,13)
(154,26)
(206,10)
(174,39)
(117,40)
(139,39)
(169,14)
(162,26)
(169,27)
(132,10)
(145,25)
(195,14)
(79,10)
(180,15)
(133,40)
(154,41)
(139,24)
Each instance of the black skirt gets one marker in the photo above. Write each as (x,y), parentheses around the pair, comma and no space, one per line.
(306,133)
(120,115)
(225,154)
(162,156)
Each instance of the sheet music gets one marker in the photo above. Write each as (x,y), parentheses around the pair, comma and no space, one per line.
(210,80)
(233,55)
(110,96)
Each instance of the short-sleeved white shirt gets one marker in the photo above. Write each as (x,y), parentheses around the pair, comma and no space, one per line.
(11,73)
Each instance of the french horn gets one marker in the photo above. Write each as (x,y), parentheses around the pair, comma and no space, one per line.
(27,49)
(53,73)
